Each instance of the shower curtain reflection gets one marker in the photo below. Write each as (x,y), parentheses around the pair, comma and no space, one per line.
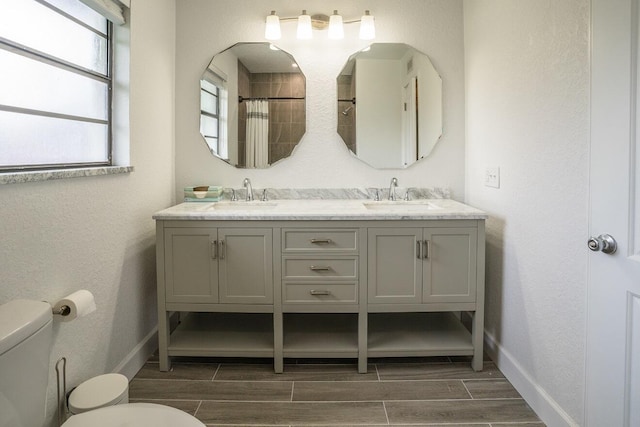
(257,145)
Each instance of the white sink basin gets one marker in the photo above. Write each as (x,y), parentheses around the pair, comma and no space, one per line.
(401,205)
(255,205)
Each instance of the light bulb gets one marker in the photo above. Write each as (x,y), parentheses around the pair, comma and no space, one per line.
(367,27)
(272,27)
(336,31)
(304,26)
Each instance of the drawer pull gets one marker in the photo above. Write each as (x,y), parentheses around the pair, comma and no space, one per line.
(418,249)
(316,268)
(319,241)
(319,292)
(427,248)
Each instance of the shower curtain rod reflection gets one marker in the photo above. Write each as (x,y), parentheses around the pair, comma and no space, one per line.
(268,98)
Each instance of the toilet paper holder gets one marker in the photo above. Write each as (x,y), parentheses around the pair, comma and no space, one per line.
(64,310)
(78,304)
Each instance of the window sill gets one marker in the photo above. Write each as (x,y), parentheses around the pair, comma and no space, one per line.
(48,175)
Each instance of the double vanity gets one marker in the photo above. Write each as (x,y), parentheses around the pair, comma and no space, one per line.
(321,279)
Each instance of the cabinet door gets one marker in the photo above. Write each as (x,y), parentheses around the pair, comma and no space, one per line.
(394,269)
(245,258)
(450,265)
(191,270)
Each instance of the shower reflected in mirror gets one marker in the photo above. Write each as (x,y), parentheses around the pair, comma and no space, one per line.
(252,105)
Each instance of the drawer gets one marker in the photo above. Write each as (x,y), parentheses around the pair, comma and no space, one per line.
(320,293)
(320,268)
(319,240)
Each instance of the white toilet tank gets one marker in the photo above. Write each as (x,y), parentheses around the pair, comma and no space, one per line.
(25,345)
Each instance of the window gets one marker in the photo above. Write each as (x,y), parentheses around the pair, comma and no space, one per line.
(209,110)
(56,86)
(213,111)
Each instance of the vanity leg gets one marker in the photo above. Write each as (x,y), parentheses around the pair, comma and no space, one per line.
(477,337)
(278,357)
(477,330)
(163,341)
(362,343)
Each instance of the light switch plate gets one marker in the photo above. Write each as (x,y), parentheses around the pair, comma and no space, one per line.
(492,177)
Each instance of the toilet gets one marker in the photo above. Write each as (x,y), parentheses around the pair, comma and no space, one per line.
(25,345)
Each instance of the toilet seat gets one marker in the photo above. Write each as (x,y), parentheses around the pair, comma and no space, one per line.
(134,415)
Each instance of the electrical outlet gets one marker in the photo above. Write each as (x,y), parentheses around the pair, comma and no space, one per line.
(492,177)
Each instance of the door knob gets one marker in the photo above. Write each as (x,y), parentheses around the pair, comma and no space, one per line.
(604,243)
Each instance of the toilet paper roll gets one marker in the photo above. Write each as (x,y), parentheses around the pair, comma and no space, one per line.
(80,303)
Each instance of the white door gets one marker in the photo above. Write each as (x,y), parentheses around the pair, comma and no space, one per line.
(613,310)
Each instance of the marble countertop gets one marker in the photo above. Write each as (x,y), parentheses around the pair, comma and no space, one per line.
(333,209)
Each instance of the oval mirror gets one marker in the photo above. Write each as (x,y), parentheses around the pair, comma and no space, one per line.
(252,105)
(389,105)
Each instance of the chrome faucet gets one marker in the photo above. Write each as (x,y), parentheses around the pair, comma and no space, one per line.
(392,189)
(247,184)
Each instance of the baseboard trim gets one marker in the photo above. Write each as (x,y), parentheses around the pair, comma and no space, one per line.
(137,357)
(536,397)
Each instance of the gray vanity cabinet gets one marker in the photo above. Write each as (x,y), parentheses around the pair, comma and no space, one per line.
(218,265)
(422,265)
(419,278)
(329,288)
(218,280)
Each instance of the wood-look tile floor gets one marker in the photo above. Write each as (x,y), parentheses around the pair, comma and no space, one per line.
(420,392)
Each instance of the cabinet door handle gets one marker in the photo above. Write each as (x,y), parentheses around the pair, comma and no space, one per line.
(418,243)
(214,249)
(222,249)
(427,248)
(318,241)
(319,292)
(316,268)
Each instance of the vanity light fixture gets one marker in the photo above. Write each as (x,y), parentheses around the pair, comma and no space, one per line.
(336,31)
(304,27)
(272,27)
(307,23)
(367,27)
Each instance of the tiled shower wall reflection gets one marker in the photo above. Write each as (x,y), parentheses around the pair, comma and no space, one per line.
(286,117)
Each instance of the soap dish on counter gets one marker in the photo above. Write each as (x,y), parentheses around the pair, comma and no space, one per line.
(203,193)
